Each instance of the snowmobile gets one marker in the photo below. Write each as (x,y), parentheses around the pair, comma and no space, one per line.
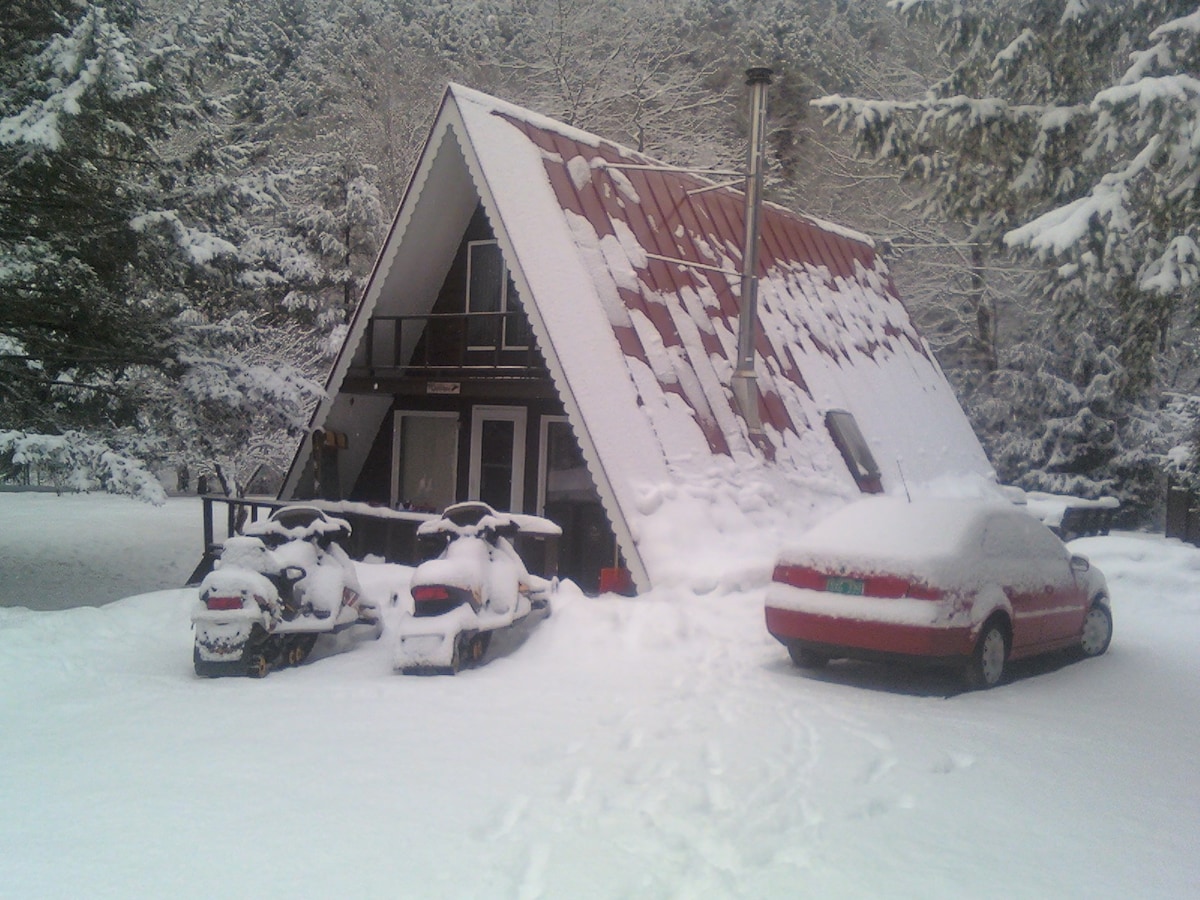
(275,589)
(475,587)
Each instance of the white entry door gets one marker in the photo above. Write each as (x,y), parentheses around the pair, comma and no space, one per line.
(497,473)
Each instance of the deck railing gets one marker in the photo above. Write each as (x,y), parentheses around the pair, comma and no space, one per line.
(452,342)
(377,532)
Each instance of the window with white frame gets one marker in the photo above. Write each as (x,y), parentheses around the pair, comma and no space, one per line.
(491,293)
(424,460)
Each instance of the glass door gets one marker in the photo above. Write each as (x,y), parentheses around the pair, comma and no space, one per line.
(497,474)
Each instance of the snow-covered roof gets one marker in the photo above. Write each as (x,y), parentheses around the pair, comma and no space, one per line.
(641,348)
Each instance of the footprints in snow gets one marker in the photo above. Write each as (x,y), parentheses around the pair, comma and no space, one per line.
(669,777)
(953,762)
(879,769)
(947,764)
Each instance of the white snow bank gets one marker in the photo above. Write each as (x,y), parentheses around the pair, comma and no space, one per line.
(654,747)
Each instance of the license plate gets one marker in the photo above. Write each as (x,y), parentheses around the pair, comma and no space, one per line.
(852,586)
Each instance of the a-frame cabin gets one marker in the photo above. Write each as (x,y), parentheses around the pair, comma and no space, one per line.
(551,327)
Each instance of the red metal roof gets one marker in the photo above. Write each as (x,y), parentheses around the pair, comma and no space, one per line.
(676,214)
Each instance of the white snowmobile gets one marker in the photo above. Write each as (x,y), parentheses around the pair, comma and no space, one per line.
(477,586)
(275,590)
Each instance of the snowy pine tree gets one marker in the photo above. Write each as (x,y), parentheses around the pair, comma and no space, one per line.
(79,110)
(142,276)
(1062,132)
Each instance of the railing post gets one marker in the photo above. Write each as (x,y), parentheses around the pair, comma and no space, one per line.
(208,523)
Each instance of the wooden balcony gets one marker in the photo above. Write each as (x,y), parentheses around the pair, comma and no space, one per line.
(488,356)
(450,346)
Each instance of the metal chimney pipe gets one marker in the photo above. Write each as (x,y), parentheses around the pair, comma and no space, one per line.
(744,383)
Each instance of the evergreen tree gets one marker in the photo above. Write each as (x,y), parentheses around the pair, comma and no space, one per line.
(79,110)
(143,278)
(1046,139)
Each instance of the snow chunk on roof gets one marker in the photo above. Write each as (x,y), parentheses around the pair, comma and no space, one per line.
(624,185)
(580,171)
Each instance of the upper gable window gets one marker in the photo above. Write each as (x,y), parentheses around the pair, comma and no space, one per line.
(490,290)
(853,447)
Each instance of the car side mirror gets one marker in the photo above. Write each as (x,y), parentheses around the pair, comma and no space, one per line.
(1080,564)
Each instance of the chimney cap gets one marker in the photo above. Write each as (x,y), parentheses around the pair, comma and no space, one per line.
(759,75)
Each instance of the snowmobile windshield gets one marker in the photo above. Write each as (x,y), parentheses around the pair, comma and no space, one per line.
(468,513)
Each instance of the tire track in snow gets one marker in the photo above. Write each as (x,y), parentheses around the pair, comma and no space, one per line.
(706,777)
(711,767)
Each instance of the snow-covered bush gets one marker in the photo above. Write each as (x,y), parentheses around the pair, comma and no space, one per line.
(76,462)
(1054,417)
(1182,412)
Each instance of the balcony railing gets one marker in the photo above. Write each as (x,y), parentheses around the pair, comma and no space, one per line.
(451,343)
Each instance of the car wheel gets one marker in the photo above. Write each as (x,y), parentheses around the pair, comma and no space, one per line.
(986,667)
(807,659)
(1097,631)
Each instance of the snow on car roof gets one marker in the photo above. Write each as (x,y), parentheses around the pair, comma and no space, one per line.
(927,537)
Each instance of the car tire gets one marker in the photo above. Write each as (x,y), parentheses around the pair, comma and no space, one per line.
(1097,630)
(807,659)
(986,668)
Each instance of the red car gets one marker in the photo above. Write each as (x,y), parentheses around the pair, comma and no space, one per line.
(971,584)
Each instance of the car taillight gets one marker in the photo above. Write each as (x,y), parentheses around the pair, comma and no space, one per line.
(890,587)
(924,592)
(887,586)
(800,576)
(223,603)
(429,593)
(882,586)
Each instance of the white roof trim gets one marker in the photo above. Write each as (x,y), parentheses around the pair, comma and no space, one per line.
(449,118)
(587,445)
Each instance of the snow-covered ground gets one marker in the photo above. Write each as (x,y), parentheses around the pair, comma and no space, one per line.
(655,747)
(85,550)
